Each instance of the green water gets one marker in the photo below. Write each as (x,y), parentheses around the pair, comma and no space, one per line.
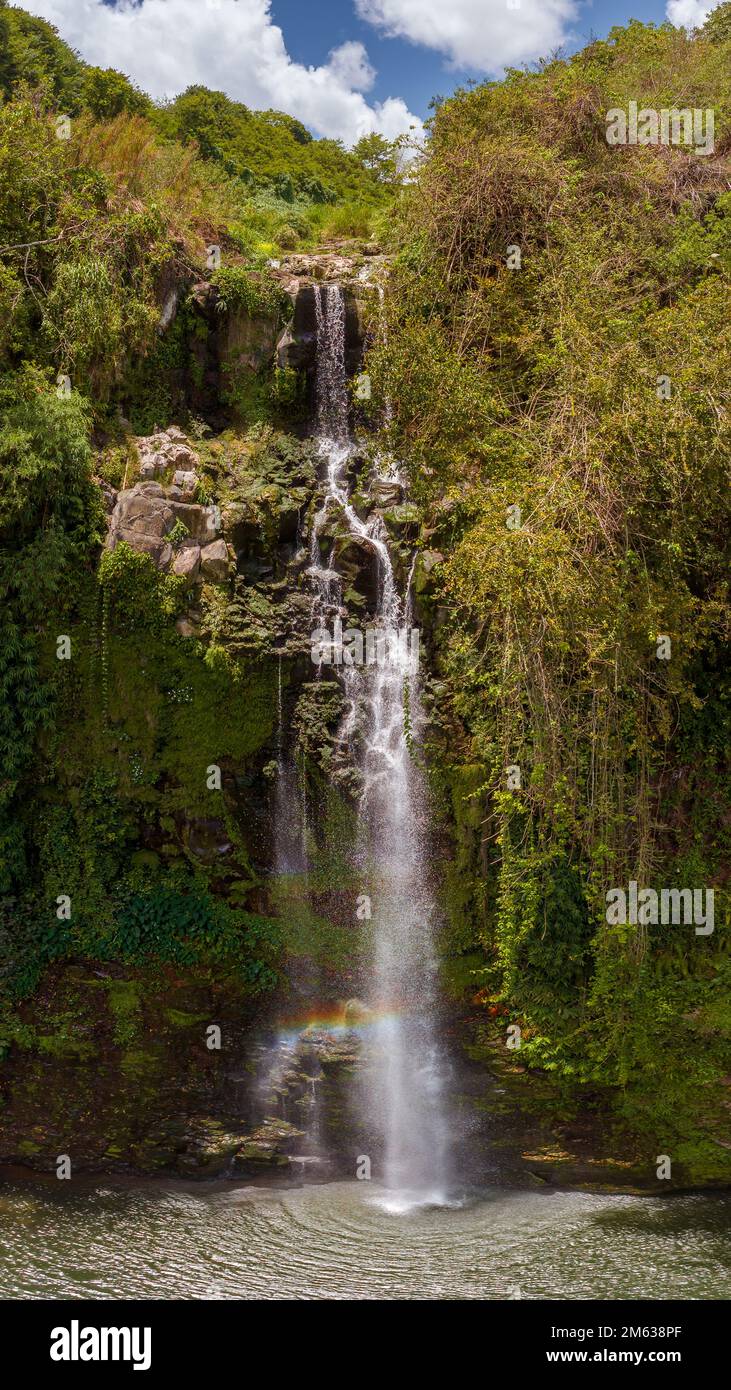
(336,1241)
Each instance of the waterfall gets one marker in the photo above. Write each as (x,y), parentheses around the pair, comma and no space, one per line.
(405,1093)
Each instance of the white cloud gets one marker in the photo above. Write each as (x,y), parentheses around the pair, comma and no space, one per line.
(350,64)
(690,14)
(233,46)
(481,35)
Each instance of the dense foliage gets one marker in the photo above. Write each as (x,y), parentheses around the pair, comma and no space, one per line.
(564,418)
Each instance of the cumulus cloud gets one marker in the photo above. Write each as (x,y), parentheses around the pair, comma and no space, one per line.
(231,45)
(482,35)
(689,14)
(350,64)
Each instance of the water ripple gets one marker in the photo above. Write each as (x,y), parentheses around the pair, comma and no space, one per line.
(336,1241)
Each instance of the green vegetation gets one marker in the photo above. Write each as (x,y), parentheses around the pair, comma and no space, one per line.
(581,396)
(282,188)
(541,388)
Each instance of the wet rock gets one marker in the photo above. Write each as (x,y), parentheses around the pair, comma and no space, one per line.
(356,560)
(269,1146)
(403,520)
(384,493)
(208,840)
(208,1148)
(297,345)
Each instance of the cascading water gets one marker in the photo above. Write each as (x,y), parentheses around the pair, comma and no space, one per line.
(405,1093)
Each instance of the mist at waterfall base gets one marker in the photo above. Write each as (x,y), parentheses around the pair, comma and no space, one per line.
(403,1087)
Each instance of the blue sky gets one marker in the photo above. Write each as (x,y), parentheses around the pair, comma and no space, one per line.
(343,67)
(414,72)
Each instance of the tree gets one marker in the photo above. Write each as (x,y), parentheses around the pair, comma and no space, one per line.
(379,156)
(717,27)
(107,93)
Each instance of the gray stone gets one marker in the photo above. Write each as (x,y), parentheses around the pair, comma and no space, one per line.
(186,481)
(180,455)
(386,494)
(187,562)
(142,517)
(215,562)
(199,522)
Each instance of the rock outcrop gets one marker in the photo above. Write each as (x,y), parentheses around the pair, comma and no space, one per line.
(159,517)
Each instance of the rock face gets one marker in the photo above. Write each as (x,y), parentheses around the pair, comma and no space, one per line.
(146,515)
(384,493)
(164,450)
(142,517)
(246,342)
(297,345)
(187,562)
(214,562)
(356,559)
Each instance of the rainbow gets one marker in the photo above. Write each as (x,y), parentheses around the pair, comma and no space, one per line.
(336,1018)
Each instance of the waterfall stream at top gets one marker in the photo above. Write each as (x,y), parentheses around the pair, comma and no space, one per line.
(405,1091)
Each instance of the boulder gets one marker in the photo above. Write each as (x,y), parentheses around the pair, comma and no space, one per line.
(187,562)
(269,1146)
(199,522)
(179,456)
(164,449)
(185,481)
(384,493)
(430,558)
(327,266)
(143,517)
(215,562)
